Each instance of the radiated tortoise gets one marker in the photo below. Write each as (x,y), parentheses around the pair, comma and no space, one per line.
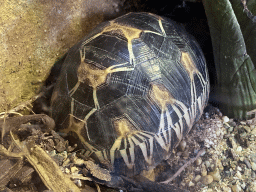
(130,90)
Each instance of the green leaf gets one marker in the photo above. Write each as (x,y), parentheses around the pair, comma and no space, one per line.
(247,26)
(235,92)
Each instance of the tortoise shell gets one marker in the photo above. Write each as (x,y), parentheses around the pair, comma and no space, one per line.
(130,90)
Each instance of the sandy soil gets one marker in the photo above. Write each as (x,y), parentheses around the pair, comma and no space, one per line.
(34,34)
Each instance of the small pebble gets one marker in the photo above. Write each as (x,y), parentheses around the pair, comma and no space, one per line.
(253,157)
(253,166)
(182,145)
(206,180)
(226,189)
(215,175)
(64,154)
(238,175)
(203,170)
(67,170)
(239,168)
(252,186)
(52,153)
(247,163)
(74,169)
(79,161)
(239,148)
(66,162)
(198,161)
(207,164)
(252,126)
(226,126)
(236,188)
(227,173)
(185,154)
(219,165)
(230,129)
(220,125)
(78,182)
(253,132)
(233,143)
(247,172)
(225,119)
(183,184)
(197,178)
(247,128)
(206,116)
(243,135)
(253,174)
(203,153)
(243,185)
(190,184)
(232,123)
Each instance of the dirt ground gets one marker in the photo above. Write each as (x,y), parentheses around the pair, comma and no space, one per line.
(35,34)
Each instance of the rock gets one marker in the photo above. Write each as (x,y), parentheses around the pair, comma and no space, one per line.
(226,189)
(232,123)
(252,186)
(225,119)
(226,126)
(78,182)
(182,145)
(243,185)
(67,170)
(233,143)
(247,163)
(215,175)
(190,184)
(207,164)
(238,175)
(253,174)
(206,115)
(253,132)
(78,161)
(219,165)
(236,188)
(52,153)
(239,168)
(206,180)
(185,154)
(73,169)
(253,166)
(197,178)
(247,128)
(253,157)
(230,129)
(239,148)
(203,170)
(198,161)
